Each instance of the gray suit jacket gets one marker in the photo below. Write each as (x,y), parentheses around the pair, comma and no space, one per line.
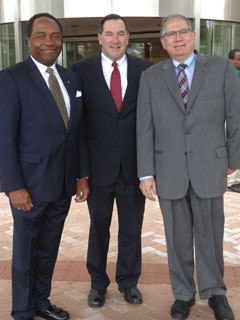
(196,146)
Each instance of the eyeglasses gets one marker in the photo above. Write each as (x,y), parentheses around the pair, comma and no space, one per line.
(173,34)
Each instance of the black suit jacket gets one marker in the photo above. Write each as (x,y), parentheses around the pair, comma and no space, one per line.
(111,135)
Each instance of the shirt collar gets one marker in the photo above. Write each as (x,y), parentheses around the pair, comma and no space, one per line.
(109,61)
(41,67)
(191,59)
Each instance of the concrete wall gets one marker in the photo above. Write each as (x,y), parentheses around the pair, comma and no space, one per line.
(20,10)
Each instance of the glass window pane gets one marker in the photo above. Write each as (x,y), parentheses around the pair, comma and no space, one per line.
(146,48)
(7,45)
(237,36)
(219,37)
(77,50)
(136,49)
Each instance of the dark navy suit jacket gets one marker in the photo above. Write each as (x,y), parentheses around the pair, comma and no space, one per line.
(36,151)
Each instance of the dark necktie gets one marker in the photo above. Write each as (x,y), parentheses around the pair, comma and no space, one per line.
(115,86)
(57,95)
(183,83)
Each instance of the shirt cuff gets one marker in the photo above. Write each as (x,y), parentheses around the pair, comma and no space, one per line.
(144,178)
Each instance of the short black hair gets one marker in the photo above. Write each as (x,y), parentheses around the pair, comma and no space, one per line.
(232,53)
(112,16)
(40,15)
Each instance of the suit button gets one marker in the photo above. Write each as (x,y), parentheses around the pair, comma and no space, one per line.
(185,153)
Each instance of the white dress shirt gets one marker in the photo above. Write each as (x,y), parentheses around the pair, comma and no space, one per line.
(108,68)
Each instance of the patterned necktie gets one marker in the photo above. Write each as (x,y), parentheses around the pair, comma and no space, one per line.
(57,95)
(183,83)
(115,86)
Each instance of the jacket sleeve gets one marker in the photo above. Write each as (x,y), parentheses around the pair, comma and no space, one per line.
(10,170)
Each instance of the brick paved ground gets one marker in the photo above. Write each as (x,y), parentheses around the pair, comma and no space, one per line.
(71,280)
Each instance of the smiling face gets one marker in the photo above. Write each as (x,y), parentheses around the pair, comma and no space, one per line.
(114,39)
(45,42)
(178,45)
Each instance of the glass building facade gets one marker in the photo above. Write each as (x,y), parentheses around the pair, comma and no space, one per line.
(217,25)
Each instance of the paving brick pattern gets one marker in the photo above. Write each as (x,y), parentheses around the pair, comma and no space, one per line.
(71,280)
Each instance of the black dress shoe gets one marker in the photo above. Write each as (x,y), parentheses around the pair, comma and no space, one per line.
(180,309)
(96,298)
(131,295)
(53,313)
(235,187)
(222,309)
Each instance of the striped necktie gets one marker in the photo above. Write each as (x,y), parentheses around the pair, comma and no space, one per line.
(57,95)
(183,83)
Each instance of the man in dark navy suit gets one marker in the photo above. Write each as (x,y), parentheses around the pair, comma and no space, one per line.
(111,135)
(43,164)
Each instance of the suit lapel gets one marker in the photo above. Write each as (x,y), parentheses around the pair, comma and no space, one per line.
(69,87)
(131,78)
(42,87)
(100,85)
(65,79)
(38,80)
(100,79)
(170,79)
(200,72)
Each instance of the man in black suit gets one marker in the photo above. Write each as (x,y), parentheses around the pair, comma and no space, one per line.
(43,164)
(111,135)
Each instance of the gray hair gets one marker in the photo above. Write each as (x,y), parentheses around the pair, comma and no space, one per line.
(171,17)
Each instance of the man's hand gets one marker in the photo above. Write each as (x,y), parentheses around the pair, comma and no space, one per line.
(82,190)
(149,188)
(21,199)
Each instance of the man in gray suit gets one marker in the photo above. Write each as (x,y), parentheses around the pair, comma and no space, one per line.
(185,146)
